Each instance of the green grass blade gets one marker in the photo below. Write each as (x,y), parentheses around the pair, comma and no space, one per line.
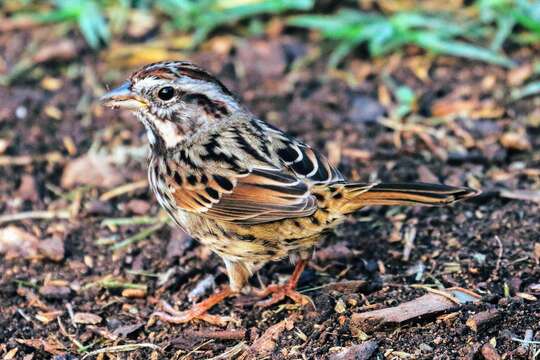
(505,24)
(460,49)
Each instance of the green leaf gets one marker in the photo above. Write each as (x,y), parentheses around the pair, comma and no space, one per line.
(530,89)
(461,49)
(344,24)
(342,50)
(527,14)
(412,20)
(505,24)
(93,25)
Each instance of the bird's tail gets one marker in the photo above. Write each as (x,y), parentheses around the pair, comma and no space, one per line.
(358,195)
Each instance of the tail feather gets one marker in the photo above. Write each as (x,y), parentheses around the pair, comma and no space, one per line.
(358,195)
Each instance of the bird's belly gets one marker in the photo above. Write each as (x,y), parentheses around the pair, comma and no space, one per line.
(252,243)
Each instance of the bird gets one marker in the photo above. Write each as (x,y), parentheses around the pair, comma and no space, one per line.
(241,186)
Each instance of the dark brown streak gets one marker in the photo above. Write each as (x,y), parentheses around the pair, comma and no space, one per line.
(199,74)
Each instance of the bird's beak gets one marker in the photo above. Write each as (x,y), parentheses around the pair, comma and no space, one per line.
(122,96)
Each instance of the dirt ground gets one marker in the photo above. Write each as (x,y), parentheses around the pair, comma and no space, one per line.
(71,285)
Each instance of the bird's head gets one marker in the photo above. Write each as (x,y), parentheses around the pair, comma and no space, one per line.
(173,100)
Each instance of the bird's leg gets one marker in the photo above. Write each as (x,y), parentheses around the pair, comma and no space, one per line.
(238,274)
(279,292)
(197,311)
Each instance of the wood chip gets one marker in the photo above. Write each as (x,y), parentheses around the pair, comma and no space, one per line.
(427,305)
(526,195)
(48,317)
(86,318)
(134,293)
(233,334)
(489,352)
(481,320)
(361,351)
(265,345)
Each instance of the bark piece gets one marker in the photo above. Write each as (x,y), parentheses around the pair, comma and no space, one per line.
(266,344)
(423,307)
(52,346)
(481,320)
(232,334)
(361,351)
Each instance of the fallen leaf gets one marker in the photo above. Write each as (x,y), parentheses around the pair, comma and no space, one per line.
(52,346)
(91,169)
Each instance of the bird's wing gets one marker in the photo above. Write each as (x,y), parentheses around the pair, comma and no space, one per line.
(248,174)
(298,158)
(261,195)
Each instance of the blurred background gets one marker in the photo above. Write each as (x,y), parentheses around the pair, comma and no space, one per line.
(396,90)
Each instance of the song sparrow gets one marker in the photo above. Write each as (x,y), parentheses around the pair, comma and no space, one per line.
(242,187)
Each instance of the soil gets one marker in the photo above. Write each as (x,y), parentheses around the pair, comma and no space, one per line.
(461,128)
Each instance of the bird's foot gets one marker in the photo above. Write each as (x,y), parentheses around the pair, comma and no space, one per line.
(278,293)
(198,311)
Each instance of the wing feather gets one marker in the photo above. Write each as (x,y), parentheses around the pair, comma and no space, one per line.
(263,195)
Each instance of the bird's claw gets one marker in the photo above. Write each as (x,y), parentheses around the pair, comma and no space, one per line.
(198,311)
(280,292)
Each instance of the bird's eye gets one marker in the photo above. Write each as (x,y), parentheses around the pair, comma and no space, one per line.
(166,93)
